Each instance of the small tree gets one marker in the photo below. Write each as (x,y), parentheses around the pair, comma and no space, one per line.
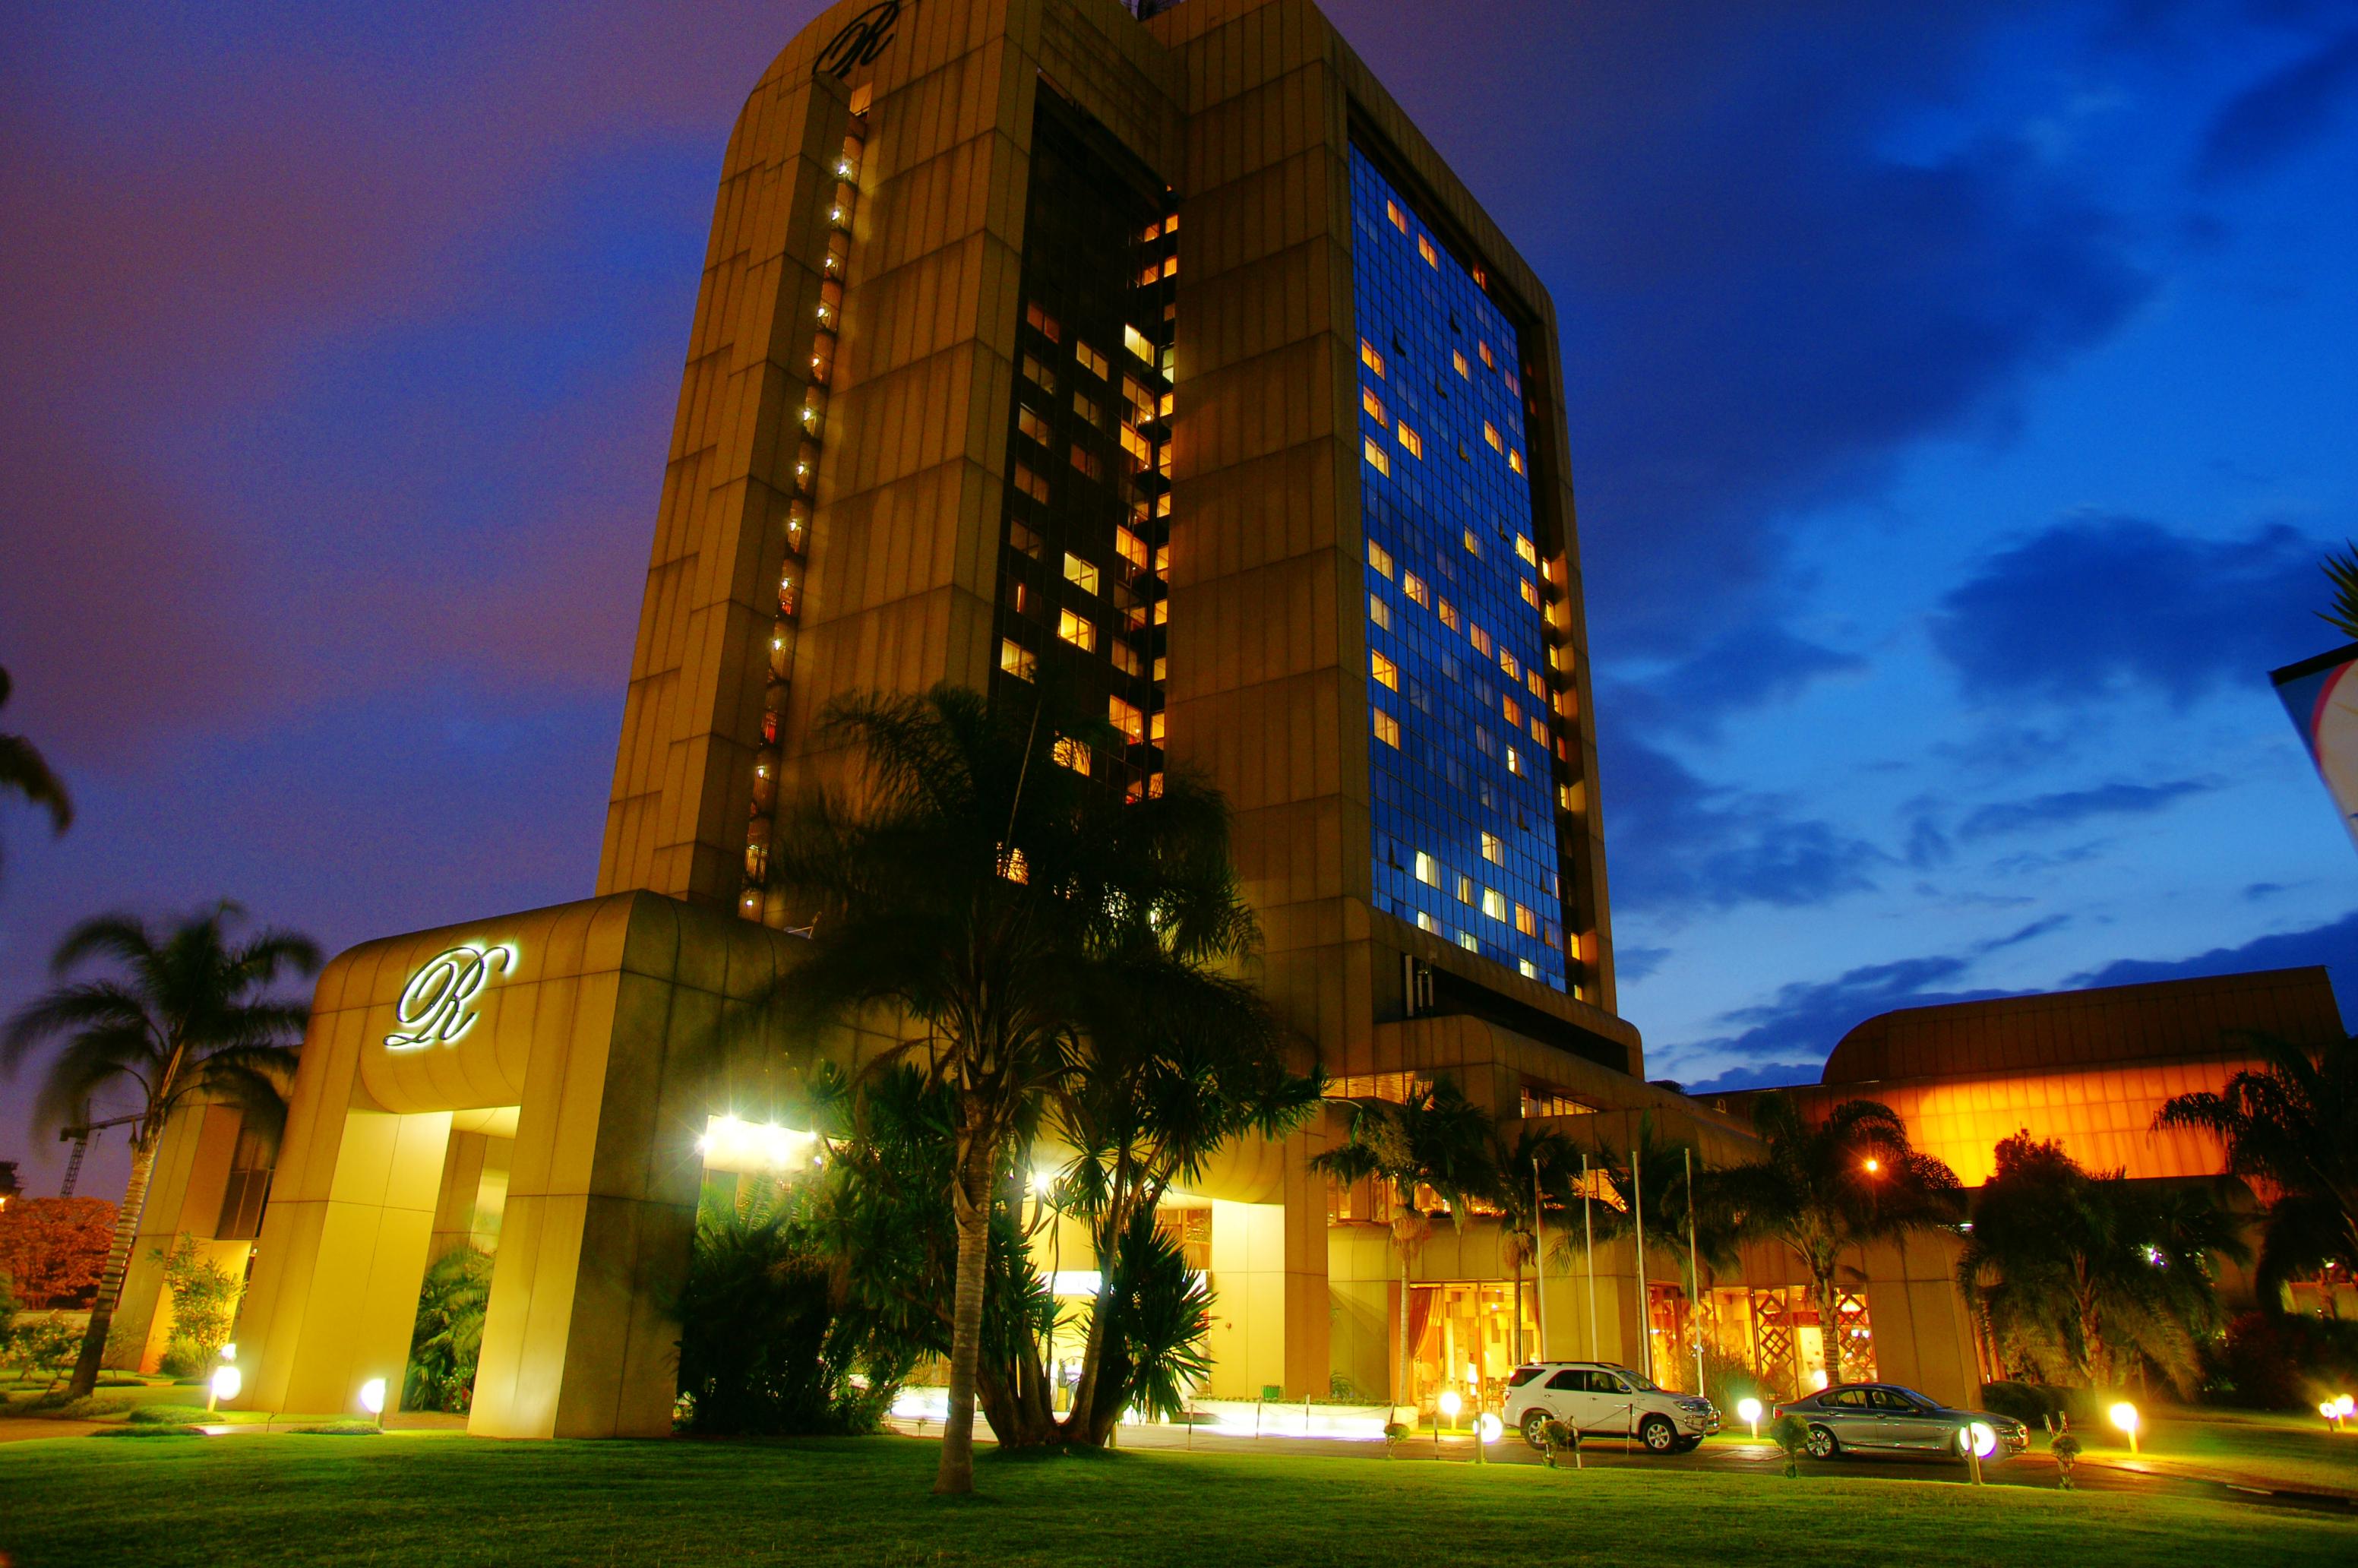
(2066,1449)
(55,1248)
(204,1307)
(1791,1434)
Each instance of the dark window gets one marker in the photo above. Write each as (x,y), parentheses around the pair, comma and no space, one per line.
(1571,1377)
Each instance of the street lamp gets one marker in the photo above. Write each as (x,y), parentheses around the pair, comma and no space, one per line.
(2125,1416)
(1872,1164)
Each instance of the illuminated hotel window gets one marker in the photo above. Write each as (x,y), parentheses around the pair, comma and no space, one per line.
(1155,728)
(1515,459)
(1126,717)
(1494,903)
(1377,456)
(1031,483)
(1465,887)
(1130,548)
(1016,659)
(1410,439)
(1078,571)
(1036,372)
(1093,361)
(1072,754)
(1530,593)
(1378,611)
(1427,870)
(1458,778)
(1481,641)
(1080,632)
(1044,323)
(1425,248)
(1032,423)
(1538,686)
(1526,922)
(1088,409)
(1136,342)
(1125,657)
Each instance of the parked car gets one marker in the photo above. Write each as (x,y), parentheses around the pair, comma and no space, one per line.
(1606,1401)
(1884,1418)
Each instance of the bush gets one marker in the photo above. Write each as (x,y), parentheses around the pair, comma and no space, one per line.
(1559,1437)
(2283,1362)
(2066,1449)
(204,1307)
(7,1314)
(55,1248)
(447,1337)
(44,1349)
(1791,1434)
(1730,1380)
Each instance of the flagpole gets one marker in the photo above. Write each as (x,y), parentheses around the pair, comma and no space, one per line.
(1694,1278)
(1588,1230)
(1645,1307)
(1538,1256)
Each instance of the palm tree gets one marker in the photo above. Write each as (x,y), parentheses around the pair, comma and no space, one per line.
(25,773)
(1665,1188)
(1832,1186)
(2289,1125)
(1435,1142)
(2341,571)
(186,1017)
(1537,1166)
(981,884)
(2081,1273)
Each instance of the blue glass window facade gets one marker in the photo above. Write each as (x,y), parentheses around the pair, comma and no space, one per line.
(1460,686)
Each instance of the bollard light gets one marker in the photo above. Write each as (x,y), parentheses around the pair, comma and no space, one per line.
(226,1382)
(2345,1406)
(2125,1416)
(1450,1403)
(1491,1427)
(1747,1411)
(373,1398)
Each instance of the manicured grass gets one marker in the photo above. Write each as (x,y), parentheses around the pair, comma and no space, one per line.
(2283,1450)
(424,1500)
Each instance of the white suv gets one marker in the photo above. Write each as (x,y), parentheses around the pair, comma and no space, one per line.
(1604,1401)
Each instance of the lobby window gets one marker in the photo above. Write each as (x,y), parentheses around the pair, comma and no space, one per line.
(1078,571)
(1072,754)
(1411,439)
(1378,459)
(1428,870)
(1044,323)
(1038,374)
(1413,586)
(1372,403)
(1387,729)
(1380,557)
(1369,358)
(1387,672)
(1080,632)
(1378,611)
(1128,717)
(1093,361)
(1494,849)
(1032,423)
(1017,660)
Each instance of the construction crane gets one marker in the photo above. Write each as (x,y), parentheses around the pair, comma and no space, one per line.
(79,1137)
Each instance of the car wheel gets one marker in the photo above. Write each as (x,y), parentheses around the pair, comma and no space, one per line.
(1533,1420)
(1657,1435)
(1822,1444)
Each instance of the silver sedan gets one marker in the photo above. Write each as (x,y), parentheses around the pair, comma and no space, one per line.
(1884,1418)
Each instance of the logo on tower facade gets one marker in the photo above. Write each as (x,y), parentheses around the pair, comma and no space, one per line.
(437,1005)
(861,40)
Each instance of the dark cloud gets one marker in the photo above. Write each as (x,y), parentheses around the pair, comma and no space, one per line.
(2090,606)
(2065,808)
(1743,668)
(1637,963)
(1805,1019)
(1767,1075)
(2333,945)
(1680,844)
(2282,113)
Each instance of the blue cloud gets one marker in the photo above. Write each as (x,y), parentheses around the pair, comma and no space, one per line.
(2065,808)
(2282,113)
(2096,604)
(1744,667)
(2333,945)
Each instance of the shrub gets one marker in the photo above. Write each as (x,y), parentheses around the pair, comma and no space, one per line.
(447,1336)
(55,1248)
(44,1349)
(2066,1449)
(1395,1434)
(1730,1380)
(204,1307)
(1791,1434)
(1559,1437)
(7,1314)
(2283,1362)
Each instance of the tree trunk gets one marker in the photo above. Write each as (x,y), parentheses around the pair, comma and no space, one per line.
(118,1258)
(1829,1324)
(1082,1423)
(972,1204)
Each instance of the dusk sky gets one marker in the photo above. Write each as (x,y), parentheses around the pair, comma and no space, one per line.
(1961,397)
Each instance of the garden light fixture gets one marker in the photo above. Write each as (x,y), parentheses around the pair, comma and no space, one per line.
(2125,1416)
(226,1382)
(1747,1411)
(373,1398)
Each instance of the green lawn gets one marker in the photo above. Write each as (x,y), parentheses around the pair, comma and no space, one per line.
(2282,1450)
(422,1499)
